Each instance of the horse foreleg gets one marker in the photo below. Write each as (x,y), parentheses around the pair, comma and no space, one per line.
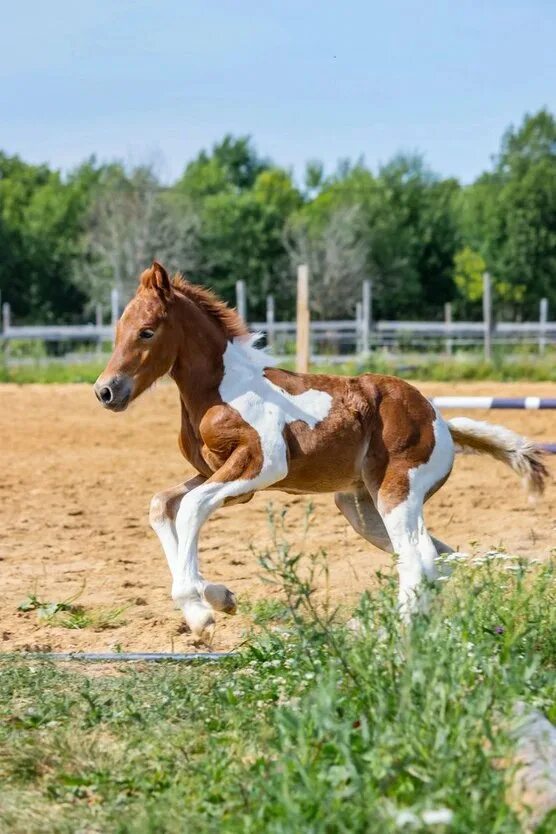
(228,484)
(162,517)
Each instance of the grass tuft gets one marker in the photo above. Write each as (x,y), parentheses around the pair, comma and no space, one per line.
(69,615)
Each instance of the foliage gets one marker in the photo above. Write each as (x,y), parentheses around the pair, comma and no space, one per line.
(66,614)
(311,728)
(509,215)
(41,220)
(469,269)
(337,259)
(233,215)
(129,224)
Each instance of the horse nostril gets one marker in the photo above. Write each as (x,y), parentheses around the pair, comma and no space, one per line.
(106,395)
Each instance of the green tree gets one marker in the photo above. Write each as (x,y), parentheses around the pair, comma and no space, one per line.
(41,221)
(408,226)
(242,238)
(469,268)
(509,216)
(242,203)
(232,165)
(424,220)
(132,221)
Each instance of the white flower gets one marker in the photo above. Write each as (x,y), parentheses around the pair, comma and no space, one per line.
(406,818)
(434,816)
(437,816)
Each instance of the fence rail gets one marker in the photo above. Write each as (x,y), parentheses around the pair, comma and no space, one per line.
(60,333)
(335,340)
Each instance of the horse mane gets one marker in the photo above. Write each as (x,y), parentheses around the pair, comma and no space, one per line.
(229,319)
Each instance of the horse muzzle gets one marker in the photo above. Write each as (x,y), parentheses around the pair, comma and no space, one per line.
(115,393)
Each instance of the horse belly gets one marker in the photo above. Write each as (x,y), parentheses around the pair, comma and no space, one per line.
(327,458)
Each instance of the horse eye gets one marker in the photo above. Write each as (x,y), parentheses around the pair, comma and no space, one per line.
(147,333)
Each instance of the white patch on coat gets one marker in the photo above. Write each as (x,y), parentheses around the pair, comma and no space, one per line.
(267,408)
(405,523)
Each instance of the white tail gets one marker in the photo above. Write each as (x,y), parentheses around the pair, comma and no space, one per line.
(520,454)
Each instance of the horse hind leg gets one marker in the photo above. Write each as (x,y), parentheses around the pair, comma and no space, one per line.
(400,531)
(363,516)
(399,500)
(360,511)
(402,522)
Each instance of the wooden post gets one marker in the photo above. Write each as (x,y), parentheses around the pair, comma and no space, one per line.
(5,317)
(366,317)
(448,323)
(487,316)
(241,302)
(543,318)
(303,320)
(270,321)
(114,310)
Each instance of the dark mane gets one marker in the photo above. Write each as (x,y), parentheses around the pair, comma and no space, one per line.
(229,319)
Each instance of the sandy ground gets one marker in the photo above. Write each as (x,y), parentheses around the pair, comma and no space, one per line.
(74,496)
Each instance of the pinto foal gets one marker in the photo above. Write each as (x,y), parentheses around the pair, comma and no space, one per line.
(372,440)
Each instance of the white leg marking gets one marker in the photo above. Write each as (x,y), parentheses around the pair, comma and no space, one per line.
(402,524)
(189,585)
(405,523)
(162,517)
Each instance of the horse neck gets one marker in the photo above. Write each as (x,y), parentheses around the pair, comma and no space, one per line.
(199,366)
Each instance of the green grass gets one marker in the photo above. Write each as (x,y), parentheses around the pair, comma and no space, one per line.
(312,728)
(467,365)
(66,614)
(52,372)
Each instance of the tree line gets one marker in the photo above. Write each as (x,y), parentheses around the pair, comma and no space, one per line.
(233,214)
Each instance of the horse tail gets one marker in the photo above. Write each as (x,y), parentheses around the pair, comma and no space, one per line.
(520,454)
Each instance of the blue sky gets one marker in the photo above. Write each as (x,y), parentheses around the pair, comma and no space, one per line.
(157,81)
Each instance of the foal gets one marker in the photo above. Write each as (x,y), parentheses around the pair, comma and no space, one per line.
(372,440)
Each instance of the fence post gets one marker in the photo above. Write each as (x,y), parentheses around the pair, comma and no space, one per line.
(5,317)
(98,325)
(114,310)
(270,321)
(487,316)
(359,328)
(448,323)
(241,303)
(303,320)
(366,317)
(543,318)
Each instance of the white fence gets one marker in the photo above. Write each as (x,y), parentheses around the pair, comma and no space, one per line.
(335,340)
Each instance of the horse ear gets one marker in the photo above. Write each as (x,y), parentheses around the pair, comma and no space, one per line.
(156,278)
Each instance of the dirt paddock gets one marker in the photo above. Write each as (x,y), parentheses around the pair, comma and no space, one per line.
(74,496)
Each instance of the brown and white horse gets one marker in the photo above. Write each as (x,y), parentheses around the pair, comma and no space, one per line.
(372,440)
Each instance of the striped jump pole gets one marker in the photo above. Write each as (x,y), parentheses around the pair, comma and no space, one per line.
(528,403)
(523,403)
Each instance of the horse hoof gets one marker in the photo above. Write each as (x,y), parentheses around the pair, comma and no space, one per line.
(220,598)
(198,617)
